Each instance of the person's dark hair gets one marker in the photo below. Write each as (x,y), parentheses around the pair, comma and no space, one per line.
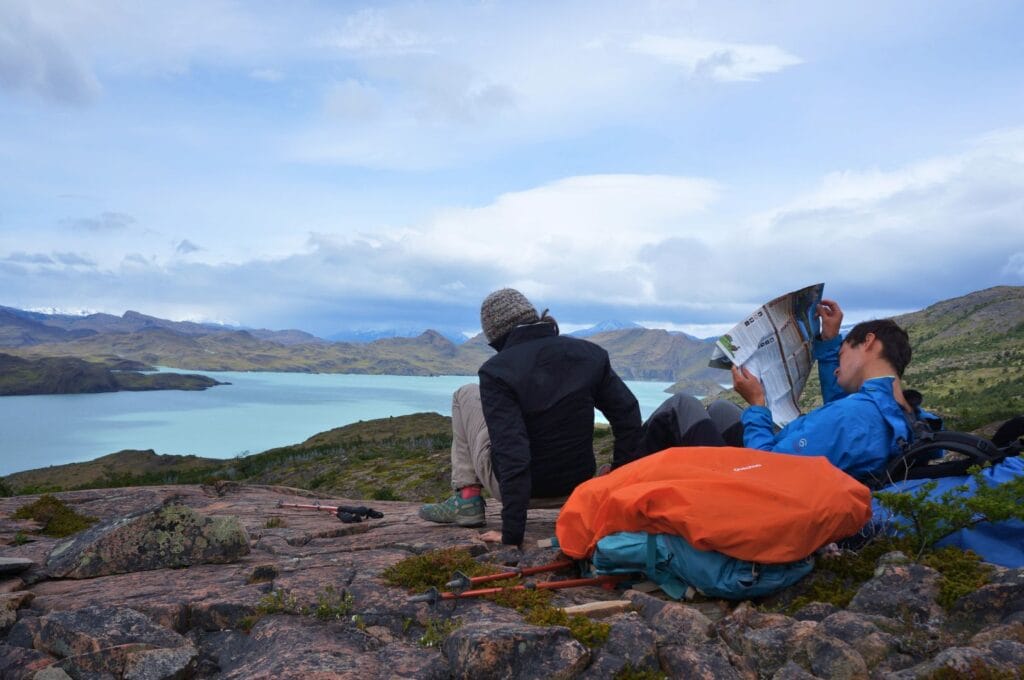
(895,341)
(547,318)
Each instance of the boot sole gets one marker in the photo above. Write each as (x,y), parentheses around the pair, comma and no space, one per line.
(471,523)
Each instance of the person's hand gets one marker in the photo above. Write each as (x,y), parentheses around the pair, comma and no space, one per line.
(603,470)
(491,536)
(831,318)
(748,386)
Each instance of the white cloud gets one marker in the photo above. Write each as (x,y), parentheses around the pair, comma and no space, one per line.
(627,246)
(38,59)
(577,230)
(105,222)
(28,258)
(513,75)
(697,330)
(1015,266)
(355,100)
(375,32)
(726,62)
(73,260)
(186,247)
(267,75)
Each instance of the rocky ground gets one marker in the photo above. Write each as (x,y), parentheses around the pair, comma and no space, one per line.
(170,586)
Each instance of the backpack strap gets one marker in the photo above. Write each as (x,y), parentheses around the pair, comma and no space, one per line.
(1010,433)
(914,461)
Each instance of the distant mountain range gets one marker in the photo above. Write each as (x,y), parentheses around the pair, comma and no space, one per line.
(357,336)
(968,351)
(637,353)
(24,327)
(605,327)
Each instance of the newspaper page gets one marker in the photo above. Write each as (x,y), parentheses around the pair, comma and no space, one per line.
(775,343)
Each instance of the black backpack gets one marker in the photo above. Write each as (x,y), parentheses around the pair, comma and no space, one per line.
(914,459)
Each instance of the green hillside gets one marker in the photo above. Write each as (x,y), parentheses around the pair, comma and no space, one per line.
(968,358)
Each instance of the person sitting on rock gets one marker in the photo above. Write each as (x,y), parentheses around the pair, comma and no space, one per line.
(859,428)
(526,431)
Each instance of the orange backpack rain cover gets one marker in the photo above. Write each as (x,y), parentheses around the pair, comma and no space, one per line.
(753,505)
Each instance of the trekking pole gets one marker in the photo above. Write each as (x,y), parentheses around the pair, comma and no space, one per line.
(346,513)
(608,581)
(461,582)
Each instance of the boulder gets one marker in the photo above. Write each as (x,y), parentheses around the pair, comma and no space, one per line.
(861,633)
(631,643)
(170,536)
(113,640)
(9,605)
(901,591)
(997,602)
(485,651)
(14,565)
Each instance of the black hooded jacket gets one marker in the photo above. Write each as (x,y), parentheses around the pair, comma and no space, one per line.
(538,395)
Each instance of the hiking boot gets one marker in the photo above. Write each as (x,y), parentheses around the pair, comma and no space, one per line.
(465,512)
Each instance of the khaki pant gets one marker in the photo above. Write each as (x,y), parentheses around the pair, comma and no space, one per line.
(471,443)
(471,448)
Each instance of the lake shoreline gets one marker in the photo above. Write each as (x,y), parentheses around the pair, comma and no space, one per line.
(257,411)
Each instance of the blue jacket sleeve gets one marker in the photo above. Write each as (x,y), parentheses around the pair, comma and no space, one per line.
(758,428)
(510,454)
(849,432)
(827,354)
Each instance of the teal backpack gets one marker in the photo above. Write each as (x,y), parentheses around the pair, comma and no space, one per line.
(682,571)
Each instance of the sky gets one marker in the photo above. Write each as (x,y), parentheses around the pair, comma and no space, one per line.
(332,166)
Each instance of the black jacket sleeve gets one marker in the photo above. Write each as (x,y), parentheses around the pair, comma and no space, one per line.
(620,407)
(510,454)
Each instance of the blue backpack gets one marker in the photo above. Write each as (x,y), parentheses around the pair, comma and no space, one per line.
(1000,543)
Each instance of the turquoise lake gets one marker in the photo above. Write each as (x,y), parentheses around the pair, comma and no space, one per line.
(256,412)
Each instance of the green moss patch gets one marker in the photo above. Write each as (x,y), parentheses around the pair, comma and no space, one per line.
(629,672)
(437,630)
(57,518)
(835,580)
(962,571)
(435,569)
(590,633)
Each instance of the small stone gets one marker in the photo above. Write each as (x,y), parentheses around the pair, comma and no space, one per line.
(815,611)
(894,557)
(832,658)
(793,671)
(263,573)
(709,661)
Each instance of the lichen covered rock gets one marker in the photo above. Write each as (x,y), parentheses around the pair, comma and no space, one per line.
(168,537)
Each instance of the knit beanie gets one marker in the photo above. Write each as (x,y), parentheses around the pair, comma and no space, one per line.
(503,310)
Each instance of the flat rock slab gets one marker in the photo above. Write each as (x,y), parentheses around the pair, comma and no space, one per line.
(14,565)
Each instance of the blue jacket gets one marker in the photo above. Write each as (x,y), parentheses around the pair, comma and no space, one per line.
(859,433)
